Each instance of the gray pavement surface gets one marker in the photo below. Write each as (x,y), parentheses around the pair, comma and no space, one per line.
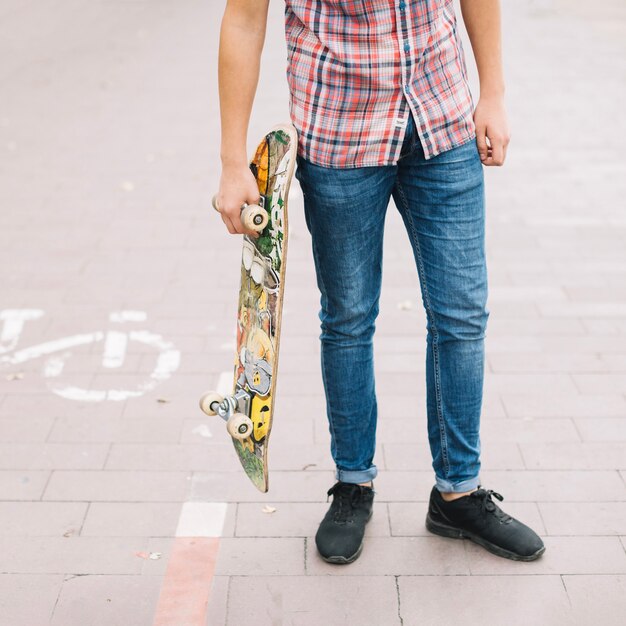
(117,296)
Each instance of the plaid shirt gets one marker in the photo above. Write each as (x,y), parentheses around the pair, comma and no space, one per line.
(357,70)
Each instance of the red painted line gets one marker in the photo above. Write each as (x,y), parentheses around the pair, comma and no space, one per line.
(185,591)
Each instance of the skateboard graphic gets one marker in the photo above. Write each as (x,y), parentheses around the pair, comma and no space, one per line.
(249,410)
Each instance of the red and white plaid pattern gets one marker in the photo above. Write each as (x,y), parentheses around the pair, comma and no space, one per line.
(357,68)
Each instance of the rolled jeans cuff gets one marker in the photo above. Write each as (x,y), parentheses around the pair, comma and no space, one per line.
(445,486)
(356,476)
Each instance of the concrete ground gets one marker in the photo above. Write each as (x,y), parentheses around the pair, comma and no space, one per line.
(121,504)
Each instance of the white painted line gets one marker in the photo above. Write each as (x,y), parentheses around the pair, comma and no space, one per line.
(13,324)
(202,430)
(114,349)
(128,316)
(34,352)
(202,519)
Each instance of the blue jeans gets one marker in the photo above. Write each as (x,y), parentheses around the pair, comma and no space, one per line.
(441,201)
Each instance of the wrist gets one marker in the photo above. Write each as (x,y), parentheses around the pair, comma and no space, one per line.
(234,162)
(492,92)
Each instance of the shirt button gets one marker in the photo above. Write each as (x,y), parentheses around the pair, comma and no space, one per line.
(402,6)
(407,47)
(407,89)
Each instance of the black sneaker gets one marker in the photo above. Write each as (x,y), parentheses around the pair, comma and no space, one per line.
(477,517)
(339,538)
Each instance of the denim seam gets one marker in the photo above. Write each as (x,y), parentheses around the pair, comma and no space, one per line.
(324,380)
(422,273)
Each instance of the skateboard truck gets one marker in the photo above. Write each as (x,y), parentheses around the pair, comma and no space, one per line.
(232,409)
(253,216)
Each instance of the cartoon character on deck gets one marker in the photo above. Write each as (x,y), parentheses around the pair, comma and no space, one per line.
(255,358)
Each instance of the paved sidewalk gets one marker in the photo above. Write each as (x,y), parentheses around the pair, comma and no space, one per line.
(121,504)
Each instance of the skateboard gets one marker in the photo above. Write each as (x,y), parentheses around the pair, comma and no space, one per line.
(248,412)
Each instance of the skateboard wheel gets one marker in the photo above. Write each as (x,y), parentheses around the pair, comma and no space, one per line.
(208,401)
(239,426)
(254,217)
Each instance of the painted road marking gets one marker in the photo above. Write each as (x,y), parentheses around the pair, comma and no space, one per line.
(186,587)
(202,519)
(115,344)
(13,324)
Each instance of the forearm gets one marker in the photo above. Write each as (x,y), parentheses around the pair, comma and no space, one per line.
(482,21)
(241,42)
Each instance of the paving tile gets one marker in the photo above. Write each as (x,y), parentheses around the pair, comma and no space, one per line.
(314,600)
(218,601)
(611,429)
(516,383)
(123,486)
(615,362)
(592,456)
(285,486)
(558,404)
(17,405)
(22,484)
(34,429)
(584,519)
(547,362)
(157,556)
(107,600)
(501,343)
(556,485)
(534,327)
(172,457)
(563,555)
(510,600)
(28,599)
(583,309)
(408,518)
(394,556)
(593,342)
(140,519)
(71,555)
(52,455)
(32,519)
(131,519)
(263,556)
(600,384)
(297,520)
(89,428)
(527,430)
(597,599)
(399,456)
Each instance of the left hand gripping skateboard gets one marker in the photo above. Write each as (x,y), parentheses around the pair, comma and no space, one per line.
(248,412)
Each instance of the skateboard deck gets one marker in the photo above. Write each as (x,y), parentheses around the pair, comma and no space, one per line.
(249,411)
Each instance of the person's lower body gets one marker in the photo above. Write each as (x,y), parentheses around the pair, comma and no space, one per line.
(441,201)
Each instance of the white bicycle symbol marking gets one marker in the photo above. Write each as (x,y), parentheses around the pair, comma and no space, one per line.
(114,352)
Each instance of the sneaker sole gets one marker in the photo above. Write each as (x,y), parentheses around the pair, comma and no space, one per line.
(344,560)
(456,533)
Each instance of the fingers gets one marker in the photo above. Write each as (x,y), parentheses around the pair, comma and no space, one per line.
(481,142)
(229,225)
(496,149)
(231,216)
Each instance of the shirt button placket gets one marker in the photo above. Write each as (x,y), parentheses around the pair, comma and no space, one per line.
(407,45)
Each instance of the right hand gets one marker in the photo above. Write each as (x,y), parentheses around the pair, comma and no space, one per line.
(237,185)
